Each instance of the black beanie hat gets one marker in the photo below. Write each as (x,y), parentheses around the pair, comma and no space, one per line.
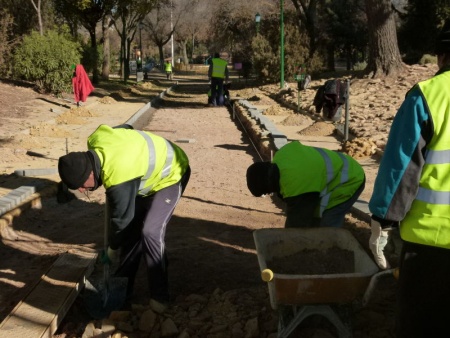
(258,178)
(74,169)
(443,39)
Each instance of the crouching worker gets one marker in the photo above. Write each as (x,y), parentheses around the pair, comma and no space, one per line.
(319,186)
(144,176)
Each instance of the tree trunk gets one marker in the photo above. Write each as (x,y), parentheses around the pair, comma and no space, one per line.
(95,75)
(161,57)
(183,46)
(384,55)
(106,48)
(330,57)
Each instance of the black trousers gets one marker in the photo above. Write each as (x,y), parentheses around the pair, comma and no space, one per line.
(217,91)
(424,292)
(146,238)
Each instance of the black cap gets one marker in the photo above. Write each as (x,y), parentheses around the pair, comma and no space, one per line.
(258,178)
(443,39)
(74,169)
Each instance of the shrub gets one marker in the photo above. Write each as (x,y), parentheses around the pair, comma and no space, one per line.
(427,58)
(45,60)
(360,65)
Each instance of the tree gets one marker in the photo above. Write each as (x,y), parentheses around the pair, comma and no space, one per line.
(7,42)
(384,54)
(193,14)
(420,25)
(308,18)
(37,7)
(89,13)
(160,25)
(127,16)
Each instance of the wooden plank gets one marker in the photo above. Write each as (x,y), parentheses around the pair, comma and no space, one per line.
(43,309)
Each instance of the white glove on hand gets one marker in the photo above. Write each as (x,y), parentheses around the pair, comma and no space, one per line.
(377,243)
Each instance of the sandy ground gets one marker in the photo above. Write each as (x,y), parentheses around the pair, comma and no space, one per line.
(214,272)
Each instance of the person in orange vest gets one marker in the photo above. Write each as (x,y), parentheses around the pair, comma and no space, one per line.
(217,73)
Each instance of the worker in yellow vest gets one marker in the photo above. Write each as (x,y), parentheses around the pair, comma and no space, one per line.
(168,69)
(144,176)
(412,195)
(319,186)
(217,74)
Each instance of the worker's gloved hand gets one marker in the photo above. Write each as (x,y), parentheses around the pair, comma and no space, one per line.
(109,256)
(377,242)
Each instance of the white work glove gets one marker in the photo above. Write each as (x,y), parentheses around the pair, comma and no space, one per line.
(377,242)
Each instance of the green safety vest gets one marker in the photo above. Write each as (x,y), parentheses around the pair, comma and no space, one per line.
(427,221)
(306,169)
(126,154)
(168,67)
(218,68)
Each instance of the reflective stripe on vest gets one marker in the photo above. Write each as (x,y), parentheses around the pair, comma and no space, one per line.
(432,196)
(325,194)
(151,164)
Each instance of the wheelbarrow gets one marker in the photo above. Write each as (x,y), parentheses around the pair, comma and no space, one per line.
(297,296)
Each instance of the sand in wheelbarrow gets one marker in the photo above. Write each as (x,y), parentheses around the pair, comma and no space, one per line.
(333,260)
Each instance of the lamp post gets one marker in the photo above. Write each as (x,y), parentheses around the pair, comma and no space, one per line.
(257,21)
(281,44)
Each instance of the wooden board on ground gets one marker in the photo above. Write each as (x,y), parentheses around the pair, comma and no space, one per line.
(42,310)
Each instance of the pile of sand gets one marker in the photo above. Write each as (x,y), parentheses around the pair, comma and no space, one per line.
(48,130)
(318,129)
(359,147)
(107,100)
(295,120)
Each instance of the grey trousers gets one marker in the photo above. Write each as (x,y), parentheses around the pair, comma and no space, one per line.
(146,238)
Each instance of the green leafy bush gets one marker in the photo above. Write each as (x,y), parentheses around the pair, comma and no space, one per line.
(46,60)
(427,58)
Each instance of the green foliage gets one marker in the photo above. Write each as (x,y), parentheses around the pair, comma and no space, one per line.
(46,60)
(427,58)
(90,58)
(6,43)
(360,65)
(265,60)
(419,29)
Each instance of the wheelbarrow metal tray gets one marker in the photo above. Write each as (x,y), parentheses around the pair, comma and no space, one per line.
(300,289)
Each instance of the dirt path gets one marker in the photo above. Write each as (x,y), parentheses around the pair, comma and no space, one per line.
(214,274)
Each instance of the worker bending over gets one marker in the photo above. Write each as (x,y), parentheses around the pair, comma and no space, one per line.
(144,176)
(319,186)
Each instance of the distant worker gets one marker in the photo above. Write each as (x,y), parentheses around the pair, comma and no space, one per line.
(144,176)
(319,186)
(168,69)
(217,73)
(81,84)
(412,192)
